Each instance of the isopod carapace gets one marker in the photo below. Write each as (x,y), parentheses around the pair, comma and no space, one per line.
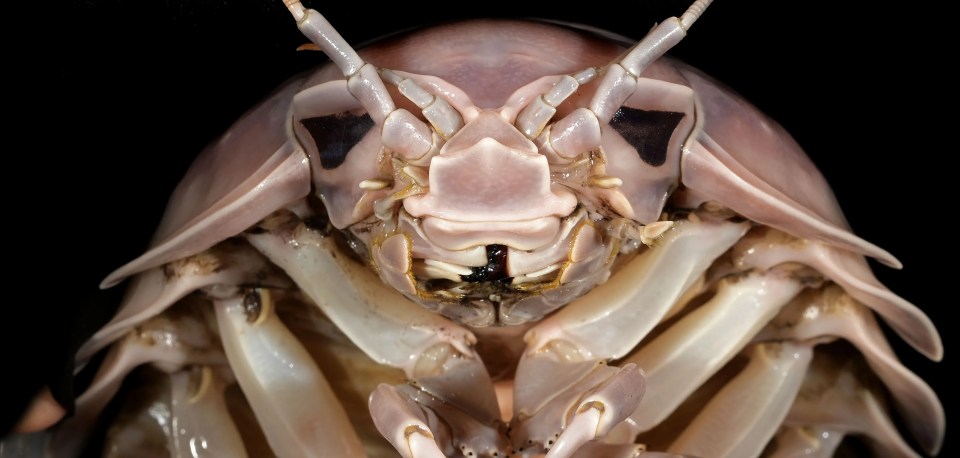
(456,229)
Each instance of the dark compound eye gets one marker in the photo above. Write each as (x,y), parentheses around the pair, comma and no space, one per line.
(335,134)
(647,131)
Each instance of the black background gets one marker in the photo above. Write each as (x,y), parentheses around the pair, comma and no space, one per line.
(122,94)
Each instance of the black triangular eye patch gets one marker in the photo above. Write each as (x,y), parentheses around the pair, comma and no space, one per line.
(647,131)
(335,134)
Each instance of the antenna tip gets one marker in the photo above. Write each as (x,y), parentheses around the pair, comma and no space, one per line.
(693,13)
(296,9)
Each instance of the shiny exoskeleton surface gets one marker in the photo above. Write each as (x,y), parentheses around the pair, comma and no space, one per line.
(808,280)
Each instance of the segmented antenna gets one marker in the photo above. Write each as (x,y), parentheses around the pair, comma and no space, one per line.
(366,83)
(693,13)
(580,129)
(621,77)
(321,33)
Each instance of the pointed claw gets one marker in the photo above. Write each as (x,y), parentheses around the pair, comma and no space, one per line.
(580,430)
(406,425)
(586,410)
(460,392)
(293,402)
(231,262)
(468,434)
(456,403)
(202,425)
(168,341)
(613,401)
